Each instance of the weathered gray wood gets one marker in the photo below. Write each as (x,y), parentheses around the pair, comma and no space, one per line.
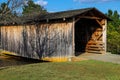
(105,34)
(73,37)
(38,41)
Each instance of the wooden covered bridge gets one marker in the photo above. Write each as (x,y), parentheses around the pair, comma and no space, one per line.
(57,36)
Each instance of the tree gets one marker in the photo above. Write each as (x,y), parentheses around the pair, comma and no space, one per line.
(31,8)
(113,32)
(110,13)
(8,8)
(116,15)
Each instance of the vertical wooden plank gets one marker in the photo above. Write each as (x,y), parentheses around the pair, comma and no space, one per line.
(0,37)
(57,40)
(64,38)
(28,41)
(105,34)
(66,30)
(73,37)
(60,41)
(69,44)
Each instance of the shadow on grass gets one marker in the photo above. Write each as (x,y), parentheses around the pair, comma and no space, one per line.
(10,60)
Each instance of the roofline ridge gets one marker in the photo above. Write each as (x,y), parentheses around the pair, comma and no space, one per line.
(71,10)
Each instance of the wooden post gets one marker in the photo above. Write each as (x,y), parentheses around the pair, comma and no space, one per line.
(72,54)
(105,35)
(0,38)
(73,37)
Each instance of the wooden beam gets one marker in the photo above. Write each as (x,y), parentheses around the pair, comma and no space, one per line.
(77,20)
(105,34)
(73,37)
(89,17)
(99,23)
(103,21)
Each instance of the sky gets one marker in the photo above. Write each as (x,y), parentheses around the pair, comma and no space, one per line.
(62,5)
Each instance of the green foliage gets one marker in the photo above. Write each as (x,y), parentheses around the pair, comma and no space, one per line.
(6,14)
(110,13)
(31,8)
(3,6)
(114,42)
(113,32)
(4,9)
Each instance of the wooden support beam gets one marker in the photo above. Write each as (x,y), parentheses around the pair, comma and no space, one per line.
(105,34)
(103,22)
(77,19)
(89,17)
(99,23)
(73,37)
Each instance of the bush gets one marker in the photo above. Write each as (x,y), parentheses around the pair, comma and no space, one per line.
(113,42)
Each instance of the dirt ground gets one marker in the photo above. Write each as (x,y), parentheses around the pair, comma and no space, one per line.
(108,57)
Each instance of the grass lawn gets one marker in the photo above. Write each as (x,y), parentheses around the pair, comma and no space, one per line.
(84,70)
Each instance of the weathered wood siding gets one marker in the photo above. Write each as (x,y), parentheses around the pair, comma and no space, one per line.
(38,41)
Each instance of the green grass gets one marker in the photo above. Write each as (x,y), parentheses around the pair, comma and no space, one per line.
(84,70)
